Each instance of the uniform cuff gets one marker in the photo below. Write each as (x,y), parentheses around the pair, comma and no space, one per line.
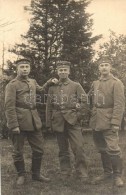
(115,122)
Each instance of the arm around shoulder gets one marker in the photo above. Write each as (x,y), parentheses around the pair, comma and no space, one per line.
(46,85)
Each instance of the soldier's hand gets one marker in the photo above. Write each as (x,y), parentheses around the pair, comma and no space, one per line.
(78,106)
(16,130)
(115,127)
(52,81)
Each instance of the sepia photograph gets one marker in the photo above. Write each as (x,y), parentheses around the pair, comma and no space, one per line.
(63,97)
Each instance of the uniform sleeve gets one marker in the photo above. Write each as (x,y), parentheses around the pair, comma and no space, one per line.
(49,108)
(82,99)
(41,88)
(81,94)
(10,106)
(119,103)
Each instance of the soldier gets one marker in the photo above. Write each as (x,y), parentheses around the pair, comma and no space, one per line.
(107,113)
(65,102)
(23,120)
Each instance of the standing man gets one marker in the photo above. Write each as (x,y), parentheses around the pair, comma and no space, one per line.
(23,120)
(65,102)
(107,113)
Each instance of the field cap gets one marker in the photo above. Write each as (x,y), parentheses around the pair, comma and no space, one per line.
(63,64)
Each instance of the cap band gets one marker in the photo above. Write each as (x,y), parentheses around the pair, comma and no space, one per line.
(104,59)
(22,61)
(62,64)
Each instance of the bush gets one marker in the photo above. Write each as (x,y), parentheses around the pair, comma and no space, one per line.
(3,126)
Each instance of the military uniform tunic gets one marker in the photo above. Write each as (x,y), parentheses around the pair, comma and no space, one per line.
(20,104)
(62,104)
(62,116)
(20,110)
(108,108)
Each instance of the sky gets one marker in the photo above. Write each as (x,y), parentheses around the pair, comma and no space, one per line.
(107,14)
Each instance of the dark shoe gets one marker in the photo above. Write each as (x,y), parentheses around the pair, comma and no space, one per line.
(118,182)
(20,180)
(117,166)
(106,163)
(36,168)
(40,178)
(101,178)
(20,167)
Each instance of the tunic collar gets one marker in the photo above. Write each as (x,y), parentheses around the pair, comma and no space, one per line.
(64,83)
(106,78)
(22,79)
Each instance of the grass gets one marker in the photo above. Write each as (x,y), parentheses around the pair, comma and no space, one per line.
(50,167)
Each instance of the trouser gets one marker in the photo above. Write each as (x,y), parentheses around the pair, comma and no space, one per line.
(107,143)
(73,135)
(35,140)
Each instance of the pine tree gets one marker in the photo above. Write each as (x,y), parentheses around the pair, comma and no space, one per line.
(59,30)
(78,42)
(115,48)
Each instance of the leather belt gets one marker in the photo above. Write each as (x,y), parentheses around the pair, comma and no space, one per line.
(103,107)
(25,107)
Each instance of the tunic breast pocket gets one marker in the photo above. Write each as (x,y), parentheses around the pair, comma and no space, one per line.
(19,90)
(22,90)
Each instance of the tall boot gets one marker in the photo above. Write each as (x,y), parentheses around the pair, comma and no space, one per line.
(20,167)
(106,163)
(117,170)
(82,172)
(65,165)
(107,166)
(36,167)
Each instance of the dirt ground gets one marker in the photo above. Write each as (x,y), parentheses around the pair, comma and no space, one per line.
(50,167)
